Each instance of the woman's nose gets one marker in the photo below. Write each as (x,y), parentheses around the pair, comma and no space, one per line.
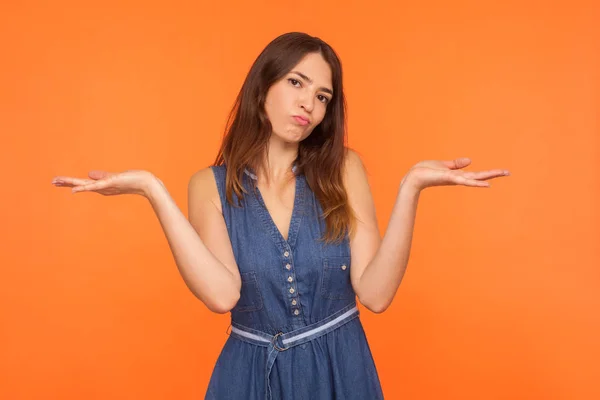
(307,103)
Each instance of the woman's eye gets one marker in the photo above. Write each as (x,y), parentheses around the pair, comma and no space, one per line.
(322,99)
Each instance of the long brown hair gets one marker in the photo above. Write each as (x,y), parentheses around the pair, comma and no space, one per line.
(320,156)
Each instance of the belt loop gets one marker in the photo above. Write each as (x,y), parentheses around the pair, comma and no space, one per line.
(274,341)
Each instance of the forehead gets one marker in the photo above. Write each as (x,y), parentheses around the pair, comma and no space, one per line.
(316,68)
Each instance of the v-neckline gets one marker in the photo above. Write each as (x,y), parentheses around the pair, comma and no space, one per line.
(294,219)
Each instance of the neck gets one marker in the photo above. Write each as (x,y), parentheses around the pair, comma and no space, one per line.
(278,163)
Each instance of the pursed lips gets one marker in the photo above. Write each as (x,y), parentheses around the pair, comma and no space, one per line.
(301,119)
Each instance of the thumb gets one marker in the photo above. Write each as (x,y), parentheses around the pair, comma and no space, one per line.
(95,174)
(458,163)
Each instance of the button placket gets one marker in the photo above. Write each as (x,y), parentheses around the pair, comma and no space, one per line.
(290,280)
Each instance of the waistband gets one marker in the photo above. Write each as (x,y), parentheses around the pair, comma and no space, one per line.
(284,341)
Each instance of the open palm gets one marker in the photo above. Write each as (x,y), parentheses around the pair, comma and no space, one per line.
(443,173)
(107,183)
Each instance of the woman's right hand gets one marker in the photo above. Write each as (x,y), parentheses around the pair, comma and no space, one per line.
(108,184)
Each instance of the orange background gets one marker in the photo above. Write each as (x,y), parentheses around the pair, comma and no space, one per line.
(500,299)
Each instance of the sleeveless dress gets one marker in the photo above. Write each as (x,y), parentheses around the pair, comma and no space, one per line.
(299,287)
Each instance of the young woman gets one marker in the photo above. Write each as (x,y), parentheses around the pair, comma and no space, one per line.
(282,232)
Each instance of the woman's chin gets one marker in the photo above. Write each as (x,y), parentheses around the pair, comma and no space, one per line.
(291,136)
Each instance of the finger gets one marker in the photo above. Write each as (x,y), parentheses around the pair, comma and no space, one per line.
(462,180)
(96,174)
(96,185)
(486,174)
(69,181)
(457,163)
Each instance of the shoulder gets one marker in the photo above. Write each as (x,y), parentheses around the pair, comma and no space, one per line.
(354,168)
(202,187)
(352,154)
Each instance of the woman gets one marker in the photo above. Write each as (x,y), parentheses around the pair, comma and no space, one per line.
(282,232)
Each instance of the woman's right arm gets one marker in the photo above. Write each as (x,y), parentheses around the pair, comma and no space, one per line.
(201,246)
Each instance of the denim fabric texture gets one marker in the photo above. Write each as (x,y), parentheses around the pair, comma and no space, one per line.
(295,331)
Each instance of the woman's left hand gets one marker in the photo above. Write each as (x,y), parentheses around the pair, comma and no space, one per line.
(445,173)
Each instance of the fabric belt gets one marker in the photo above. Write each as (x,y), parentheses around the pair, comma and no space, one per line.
(284,341)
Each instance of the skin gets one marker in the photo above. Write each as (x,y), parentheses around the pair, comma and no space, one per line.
(378,264)
(294,95)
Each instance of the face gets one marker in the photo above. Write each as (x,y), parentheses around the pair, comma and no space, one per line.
(297,103)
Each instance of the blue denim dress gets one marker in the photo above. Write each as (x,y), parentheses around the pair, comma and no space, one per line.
(295,332)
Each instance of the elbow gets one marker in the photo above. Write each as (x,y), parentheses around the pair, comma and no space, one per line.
(218,309)
(379,308)
(376,306)
(224,305)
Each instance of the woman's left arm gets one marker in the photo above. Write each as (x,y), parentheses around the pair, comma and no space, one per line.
(378,265)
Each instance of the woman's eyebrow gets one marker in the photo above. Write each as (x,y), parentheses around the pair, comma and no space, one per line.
(326,90)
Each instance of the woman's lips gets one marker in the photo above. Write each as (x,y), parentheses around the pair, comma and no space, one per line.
(300,120)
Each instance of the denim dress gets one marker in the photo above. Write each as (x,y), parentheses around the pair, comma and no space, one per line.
(295,331)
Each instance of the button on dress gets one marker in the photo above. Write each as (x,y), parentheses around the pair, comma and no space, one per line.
(288,285)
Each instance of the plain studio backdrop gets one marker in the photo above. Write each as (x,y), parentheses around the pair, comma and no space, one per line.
(501,296)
